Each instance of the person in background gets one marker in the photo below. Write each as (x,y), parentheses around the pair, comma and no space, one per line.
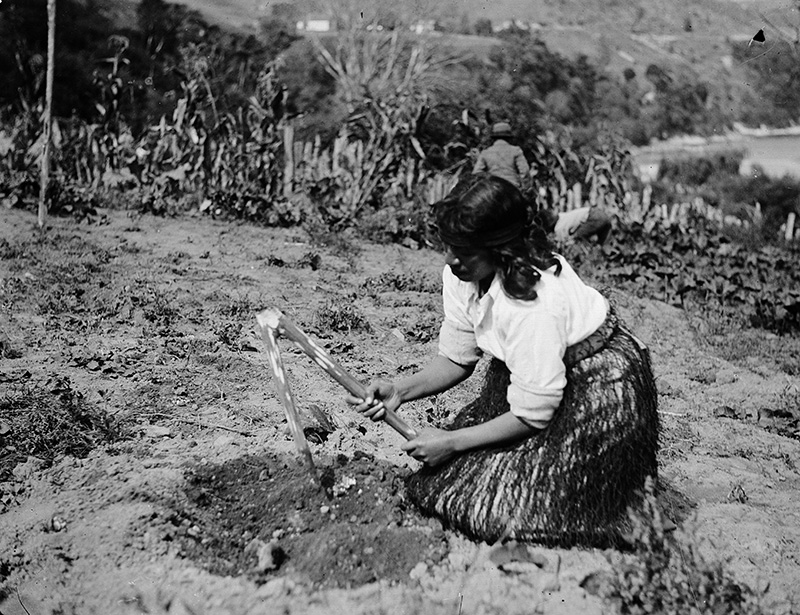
(503,158)
(578,224)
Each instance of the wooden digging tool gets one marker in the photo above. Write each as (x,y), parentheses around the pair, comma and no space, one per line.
(268,334)
(274,319)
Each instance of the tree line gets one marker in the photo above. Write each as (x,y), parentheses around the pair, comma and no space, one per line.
(135,71)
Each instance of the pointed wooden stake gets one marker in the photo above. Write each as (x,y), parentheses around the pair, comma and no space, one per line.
(285,394)
(272,318)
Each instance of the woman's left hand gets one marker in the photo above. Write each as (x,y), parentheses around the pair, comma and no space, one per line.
(432,446)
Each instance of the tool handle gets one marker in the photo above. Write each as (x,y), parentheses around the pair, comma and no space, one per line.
(285,394)
(277,320)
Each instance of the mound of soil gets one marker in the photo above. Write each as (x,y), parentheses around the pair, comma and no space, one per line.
(260,516)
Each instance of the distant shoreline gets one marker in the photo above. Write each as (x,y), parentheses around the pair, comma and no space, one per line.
(775,151)
(740,133)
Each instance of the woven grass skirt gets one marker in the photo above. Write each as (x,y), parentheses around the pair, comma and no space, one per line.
(571,483)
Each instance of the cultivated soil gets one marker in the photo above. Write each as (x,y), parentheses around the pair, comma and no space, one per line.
(172,484)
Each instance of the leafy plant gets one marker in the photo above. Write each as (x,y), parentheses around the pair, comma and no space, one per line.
(669,575)
(48,421)
(403,282)
(698,266)
(340,317)
(383,81)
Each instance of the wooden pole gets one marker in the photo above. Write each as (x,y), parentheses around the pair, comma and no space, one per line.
(789,231)
(285,394)
(48,109)
(276,320)
(288,157)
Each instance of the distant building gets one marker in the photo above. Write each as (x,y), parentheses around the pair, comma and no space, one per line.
(423,26)
(315,23)
(648,171)
(626,56)
(518,24)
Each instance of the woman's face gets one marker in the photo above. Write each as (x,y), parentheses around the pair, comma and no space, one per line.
(470,264)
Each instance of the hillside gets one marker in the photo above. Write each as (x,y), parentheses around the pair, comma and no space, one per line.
(720,17)
(685,34)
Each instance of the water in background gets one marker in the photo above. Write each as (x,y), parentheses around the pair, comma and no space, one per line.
(775,155)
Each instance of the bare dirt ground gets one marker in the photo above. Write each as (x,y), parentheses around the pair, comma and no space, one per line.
(198,504)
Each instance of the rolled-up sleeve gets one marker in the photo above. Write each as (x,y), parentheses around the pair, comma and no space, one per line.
(535,348)
(456,337)
(480,165)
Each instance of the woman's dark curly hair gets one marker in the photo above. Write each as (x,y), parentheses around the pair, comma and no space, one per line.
(490,213)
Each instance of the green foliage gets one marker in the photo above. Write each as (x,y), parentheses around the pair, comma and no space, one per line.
(48,421)
(391,282)
(483,27)
(73,200)
(232,169)
(525,82)
(558,166)
(398,219)
(669,575)
(697,171)
(716,179)
(774,98)
(82,32)
(383,82)
(683,105)
(108,73)
(697,267)
(337,317)
(275,211)
(310,93)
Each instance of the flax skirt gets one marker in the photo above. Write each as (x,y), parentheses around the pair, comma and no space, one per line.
(569,484)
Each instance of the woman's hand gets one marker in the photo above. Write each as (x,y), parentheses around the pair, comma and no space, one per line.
(381,396)
(435,446)
(439,375)
(432,446)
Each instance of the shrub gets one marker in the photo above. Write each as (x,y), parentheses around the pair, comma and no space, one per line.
(340,317)
(668,574)
(49,421)
(697,170)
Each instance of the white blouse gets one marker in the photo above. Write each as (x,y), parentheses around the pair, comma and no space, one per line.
(530,337)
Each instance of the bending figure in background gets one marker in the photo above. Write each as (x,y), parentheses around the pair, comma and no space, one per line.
(503,158)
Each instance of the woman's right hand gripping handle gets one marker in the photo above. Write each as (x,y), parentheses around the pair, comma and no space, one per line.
(380,397)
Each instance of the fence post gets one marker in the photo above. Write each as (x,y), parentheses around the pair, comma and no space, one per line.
(48,109)
(288,159)
(577,200)
(789,232)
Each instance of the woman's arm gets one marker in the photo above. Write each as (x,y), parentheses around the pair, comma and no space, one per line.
(480,164)
(501,430)
(434,446)
(439,375)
